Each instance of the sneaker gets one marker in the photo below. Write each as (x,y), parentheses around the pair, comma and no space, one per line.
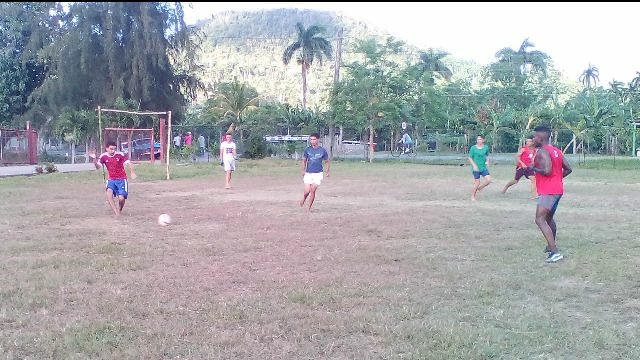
(554,257)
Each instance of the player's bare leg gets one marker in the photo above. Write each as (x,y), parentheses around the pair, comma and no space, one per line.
(307,190)
(121,201)
(312,194)
(509,184)
(534,192)
(544,220)
(487,181)
(476,185)
(227,180)
(112,202)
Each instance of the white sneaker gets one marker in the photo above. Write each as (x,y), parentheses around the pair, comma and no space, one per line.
(554,257)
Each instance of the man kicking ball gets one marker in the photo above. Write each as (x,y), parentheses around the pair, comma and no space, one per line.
(117,185)
(312,170)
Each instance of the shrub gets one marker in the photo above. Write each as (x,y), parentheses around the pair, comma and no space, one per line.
(256,147)
(50,168)
(39,169)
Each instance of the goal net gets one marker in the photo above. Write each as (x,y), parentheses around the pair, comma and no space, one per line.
(139,144)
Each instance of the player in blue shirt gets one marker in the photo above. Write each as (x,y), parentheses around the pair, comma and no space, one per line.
(312,169)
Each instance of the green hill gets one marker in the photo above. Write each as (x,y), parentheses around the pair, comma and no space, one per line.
(249,46)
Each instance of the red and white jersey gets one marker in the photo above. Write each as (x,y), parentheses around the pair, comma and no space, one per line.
(526,157)
(553,183)
(114,164)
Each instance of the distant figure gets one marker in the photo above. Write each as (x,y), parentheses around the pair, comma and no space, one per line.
(406,142)
(117,184)
(523,162)
(550,167)
(479,159)
(177,141)
(228,154)
(188,139)
(201,143)
(312,171)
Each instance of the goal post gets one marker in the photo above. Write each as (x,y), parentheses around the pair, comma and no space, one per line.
(141,144)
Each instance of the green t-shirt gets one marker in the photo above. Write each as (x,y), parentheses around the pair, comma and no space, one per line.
(479,156)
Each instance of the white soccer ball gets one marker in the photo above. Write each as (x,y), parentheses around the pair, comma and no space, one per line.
(164,220)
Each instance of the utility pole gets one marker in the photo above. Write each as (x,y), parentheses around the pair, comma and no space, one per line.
(336,80)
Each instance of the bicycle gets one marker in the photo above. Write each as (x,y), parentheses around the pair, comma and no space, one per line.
(399,150)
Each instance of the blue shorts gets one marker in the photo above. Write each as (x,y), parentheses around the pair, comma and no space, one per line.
(120,187)
(483,173)
(549,202)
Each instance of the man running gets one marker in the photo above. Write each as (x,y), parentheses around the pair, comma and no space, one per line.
(312,169)
(524,159)
(479,159)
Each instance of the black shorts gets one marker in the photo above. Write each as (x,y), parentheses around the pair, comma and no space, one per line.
(526,172)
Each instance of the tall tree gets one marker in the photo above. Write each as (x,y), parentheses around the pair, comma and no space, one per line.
(514,66)
(431,64)
(25,29)
(590,76)
(116,50)
(309,45)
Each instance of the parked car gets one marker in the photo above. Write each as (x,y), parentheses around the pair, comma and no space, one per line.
(141,149)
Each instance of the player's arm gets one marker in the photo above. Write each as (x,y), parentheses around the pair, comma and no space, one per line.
(327,164)
(473,163)
(566,167)
(132,172)
(235,152)
(221,150)
(543,161)
(304,163)
(96,162)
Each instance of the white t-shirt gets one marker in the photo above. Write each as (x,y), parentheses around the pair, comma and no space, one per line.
(227,150)
(177,140)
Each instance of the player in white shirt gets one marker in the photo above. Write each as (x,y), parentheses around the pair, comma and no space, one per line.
(228,158)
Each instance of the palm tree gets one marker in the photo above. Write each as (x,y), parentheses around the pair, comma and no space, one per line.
(514,66)
(589,76)
(309,46)
(431,62)
(235,99)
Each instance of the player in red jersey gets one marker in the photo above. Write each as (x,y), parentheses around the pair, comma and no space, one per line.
(550,167)
(524,159)
(117,185)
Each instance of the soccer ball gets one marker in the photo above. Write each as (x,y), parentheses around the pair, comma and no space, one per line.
(164,220)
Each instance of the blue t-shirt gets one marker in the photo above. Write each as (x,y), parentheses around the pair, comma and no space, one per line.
(314,158)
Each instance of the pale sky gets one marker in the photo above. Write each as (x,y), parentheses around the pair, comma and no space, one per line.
(573,34)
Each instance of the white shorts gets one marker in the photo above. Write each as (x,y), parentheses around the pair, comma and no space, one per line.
(313,178)
(229,165)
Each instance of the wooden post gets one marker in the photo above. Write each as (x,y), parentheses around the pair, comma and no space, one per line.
(168,141)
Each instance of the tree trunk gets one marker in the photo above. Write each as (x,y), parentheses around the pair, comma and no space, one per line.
(304,86)
(371,147)
(574,144)
(86,151)
(73,152)
(332,139)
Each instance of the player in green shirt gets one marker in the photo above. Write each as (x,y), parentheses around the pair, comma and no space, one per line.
(479,159)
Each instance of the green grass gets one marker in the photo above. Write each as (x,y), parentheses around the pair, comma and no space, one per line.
(395,263)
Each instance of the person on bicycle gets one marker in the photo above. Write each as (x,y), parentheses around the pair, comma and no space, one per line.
(406,142)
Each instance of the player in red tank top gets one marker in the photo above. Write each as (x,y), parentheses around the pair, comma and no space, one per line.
(550,167)
(524,158)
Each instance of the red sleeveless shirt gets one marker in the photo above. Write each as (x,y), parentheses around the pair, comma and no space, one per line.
(551,184)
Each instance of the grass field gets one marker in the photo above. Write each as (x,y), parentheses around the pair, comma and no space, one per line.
(395,263)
